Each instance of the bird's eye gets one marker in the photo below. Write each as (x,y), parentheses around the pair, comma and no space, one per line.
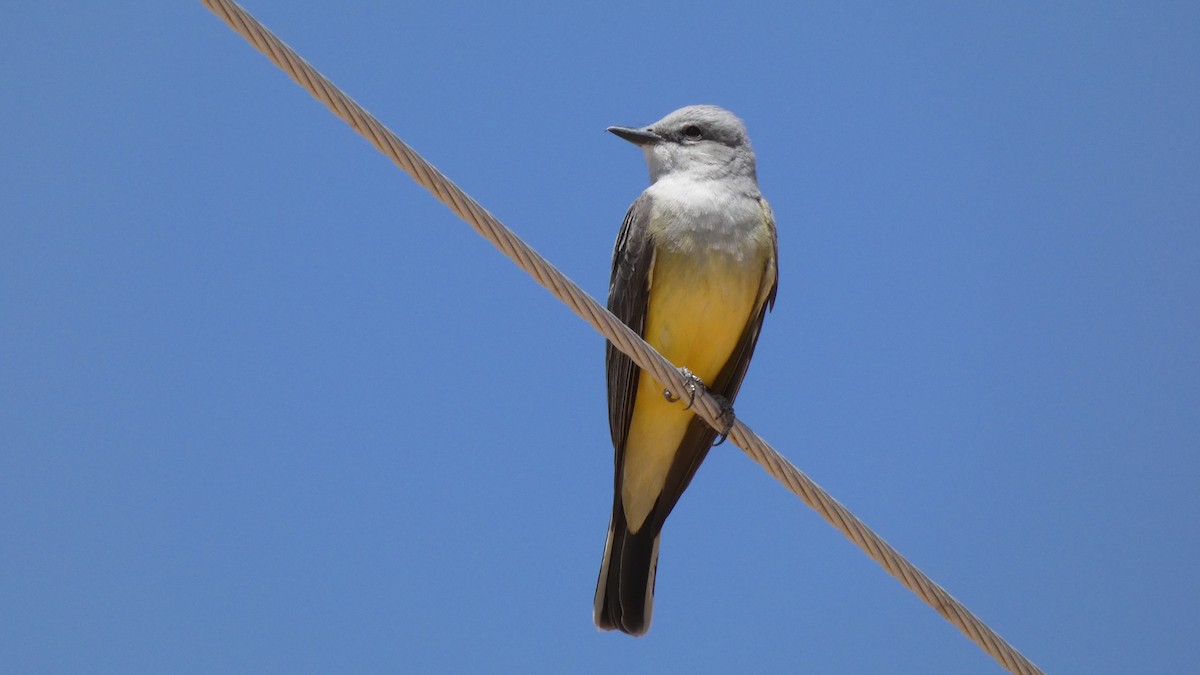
(693,132)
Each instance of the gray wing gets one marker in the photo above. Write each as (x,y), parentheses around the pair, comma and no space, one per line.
(627,293)
(625,588)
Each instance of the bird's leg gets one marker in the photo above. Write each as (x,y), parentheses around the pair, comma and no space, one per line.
(727,418)
(691,384)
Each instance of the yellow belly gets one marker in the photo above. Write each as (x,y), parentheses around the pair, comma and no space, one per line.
(695,315)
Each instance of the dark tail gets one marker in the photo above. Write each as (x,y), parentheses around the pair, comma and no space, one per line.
(625,591)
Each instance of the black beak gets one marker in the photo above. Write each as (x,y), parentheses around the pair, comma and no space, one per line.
(636,136)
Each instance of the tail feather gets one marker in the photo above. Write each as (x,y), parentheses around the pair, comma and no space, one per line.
(625,590)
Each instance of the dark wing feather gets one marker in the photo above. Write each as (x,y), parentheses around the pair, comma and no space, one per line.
(624,592)
(627,293)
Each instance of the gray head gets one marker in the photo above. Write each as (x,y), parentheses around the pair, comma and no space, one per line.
(703,141)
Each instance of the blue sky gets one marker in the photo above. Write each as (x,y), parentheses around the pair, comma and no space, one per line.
(266,406)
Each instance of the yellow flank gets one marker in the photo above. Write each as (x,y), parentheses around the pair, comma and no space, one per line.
(697,308)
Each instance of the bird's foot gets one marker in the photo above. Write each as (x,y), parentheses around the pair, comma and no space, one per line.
(692,385)
(726,417)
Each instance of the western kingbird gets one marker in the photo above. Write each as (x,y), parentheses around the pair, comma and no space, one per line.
(694,273)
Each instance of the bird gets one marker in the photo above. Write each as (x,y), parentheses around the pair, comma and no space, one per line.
(694,272)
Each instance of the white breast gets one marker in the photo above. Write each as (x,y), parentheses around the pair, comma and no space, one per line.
(707,218)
